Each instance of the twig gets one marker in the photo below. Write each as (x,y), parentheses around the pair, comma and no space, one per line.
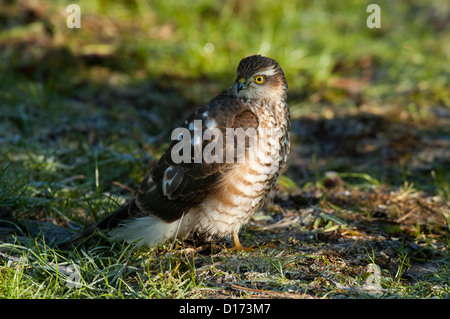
(270,292)
(123,186)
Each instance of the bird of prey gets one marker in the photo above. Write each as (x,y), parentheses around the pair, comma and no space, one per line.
(221,167)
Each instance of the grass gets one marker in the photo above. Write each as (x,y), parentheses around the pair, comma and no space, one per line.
(360,212)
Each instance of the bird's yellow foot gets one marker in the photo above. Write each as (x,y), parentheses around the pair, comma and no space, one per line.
(237,244)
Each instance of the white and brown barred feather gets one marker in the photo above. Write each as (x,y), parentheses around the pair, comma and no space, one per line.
(176,199)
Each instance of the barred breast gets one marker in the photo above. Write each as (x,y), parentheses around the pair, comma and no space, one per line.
(252,184)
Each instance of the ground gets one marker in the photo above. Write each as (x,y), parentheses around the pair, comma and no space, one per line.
(362,208)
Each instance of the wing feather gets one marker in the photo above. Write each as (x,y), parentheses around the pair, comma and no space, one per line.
(169,190)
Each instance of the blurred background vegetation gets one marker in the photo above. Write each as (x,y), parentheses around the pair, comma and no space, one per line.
(313,40)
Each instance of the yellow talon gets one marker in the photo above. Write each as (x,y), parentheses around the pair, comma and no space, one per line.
(237,244)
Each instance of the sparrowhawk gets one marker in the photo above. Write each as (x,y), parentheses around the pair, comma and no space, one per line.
(237,144)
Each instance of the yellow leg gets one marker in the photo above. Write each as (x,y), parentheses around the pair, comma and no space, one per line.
(237,243)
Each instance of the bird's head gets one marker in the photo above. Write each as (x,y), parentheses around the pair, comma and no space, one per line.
(259,78)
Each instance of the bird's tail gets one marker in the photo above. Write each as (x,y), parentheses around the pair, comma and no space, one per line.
(85,234)
(126,212)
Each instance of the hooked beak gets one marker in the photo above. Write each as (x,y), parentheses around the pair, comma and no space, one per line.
(241,84)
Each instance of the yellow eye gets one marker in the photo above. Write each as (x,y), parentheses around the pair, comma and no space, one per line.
(259,79)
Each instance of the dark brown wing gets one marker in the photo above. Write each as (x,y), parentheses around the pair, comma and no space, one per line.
(170,189)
